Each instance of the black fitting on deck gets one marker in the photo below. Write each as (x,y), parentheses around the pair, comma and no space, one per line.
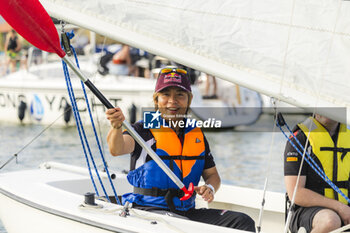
(90,199)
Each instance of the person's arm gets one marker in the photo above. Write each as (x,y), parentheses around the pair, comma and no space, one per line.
(127,55)
(118,143)
(122,54)
(211,177)
(307,198)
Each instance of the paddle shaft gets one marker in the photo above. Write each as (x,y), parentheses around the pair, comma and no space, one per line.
(126,124)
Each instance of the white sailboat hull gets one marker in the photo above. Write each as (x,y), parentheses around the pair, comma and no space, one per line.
(49,200)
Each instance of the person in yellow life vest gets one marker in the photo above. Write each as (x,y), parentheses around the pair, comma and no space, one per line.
(318,208)
(182,147)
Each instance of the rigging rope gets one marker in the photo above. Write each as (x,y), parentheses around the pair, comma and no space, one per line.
(78,122)
(94,129)
(82,134)
(258,227)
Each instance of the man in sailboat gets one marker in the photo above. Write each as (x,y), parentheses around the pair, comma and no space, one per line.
(318,207)
(184,149)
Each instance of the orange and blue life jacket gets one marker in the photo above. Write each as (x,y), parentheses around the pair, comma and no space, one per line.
(152,187)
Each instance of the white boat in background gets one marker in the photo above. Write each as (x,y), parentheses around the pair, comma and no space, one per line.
(53,197)
(39,96)
(44,97)
(233,105)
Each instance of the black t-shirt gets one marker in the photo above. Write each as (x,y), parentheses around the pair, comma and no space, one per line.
(12,45)
(139,155)
(292,159)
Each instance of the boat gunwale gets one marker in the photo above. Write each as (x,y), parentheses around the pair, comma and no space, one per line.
(61,214)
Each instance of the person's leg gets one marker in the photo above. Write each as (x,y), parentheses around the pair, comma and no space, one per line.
(325,220)
(314,219)
(13,64)
(223,218)
(7,65)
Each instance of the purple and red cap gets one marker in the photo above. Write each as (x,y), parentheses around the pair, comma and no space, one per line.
(173,77)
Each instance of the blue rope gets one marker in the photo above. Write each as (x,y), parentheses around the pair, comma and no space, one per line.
(66,75)
(94,129)
(81,129)
(80,125)
(70,36)
(312,162)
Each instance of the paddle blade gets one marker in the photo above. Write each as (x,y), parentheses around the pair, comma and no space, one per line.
(32,22)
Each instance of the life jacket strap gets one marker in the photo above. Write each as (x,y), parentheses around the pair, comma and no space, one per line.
(181,157)
(342,150)
(168,194)
(319,187)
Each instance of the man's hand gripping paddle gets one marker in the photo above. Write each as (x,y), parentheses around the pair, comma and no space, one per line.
(30,20)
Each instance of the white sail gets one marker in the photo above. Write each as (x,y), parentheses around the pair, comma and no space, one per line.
(295,50)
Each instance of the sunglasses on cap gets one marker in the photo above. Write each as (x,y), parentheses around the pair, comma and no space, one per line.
(169,70)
